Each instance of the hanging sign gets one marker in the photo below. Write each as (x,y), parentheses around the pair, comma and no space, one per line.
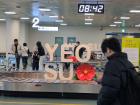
(36,25)
(132,47)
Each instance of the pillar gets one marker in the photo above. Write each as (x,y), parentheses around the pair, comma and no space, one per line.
(15,30)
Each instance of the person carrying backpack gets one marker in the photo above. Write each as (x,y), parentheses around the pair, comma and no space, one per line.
(120,83)
(41,52)
(35,61)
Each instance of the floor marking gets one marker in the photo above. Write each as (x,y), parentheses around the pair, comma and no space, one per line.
(33,103)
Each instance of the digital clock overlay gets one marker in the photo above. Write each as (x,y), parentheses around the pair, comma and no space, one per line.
(91,8)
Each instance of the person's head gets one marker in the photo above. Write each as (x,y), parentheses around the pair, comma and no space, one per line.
(110,46)
(24,44)
(16,41)
(77,43)
(38,44)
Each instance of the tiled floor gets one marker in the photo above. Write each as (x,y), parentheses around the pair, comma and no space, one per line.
(41,101)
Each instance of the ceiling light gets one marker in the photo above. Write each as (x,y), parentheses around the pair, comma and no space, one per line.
(45,9)
(134,11)
(59,21)
(137,25)
(125,18)
(10,13)
(88,23)
(2,19)
(89,14)
(53,16)
(63,24)
(24,18)
(117,22)
(88,19)
(113,25)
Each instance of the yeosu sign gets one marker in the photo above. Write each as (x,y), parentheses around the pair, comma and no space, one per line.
(51,51)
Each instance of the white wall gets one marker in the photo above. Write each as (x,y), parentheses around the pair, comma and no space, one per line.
(2,37)
(23,37)
(83,34)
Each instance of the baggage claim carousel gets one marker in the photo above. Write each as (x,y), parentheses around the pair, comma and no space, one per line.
(34,84)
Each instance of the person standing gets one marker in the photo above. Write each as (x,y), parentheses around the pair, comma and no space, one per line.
(77,44)
(41,52)
(81,51)
(35,61)
(113,91)
(25,53)
(16,50)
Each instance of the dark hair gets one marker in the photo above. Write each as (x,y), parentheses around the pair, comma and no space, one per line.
(15,40)
(38,44)
(40,48)
(78,42)
(24,44)
(111,43)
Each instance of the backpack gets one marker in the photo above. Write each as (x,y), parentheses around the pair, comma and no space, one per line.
(132,85)
(41,51)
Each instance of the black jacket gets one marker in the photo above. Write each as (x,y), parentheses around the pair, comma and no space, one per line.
(112,91)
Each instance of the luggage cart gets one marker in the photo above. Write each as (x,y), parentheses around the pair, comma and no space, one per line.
(11,63)
(2,64)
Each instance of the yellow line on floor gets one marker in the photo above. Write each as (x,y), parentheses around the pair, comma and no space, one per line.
(26,103)
(33,103)
(70,104)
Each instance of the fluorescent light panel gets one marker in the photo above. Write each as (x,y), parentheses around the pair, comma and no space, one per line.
(24,18)
(88,23)
(113,25)
(134,11)
(2,19)
(88,19)
(117,22)
(138,25)
(45,9)
(10,13)
(63,24)
(59,21)
(53,16)
(124,18)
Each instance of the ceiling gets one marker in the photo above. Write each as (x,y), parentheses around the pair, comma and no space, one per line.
(68,11)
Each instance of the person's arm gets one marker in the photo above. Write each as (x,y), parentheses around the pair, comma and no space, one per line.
(20,49)
(12,49)
(110,85)
(35,49)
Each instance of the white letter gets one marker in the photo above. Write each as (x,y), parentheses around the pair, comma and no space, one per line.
(63,52)
(61,74)
(88,52)
(51,50)
(50,73)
